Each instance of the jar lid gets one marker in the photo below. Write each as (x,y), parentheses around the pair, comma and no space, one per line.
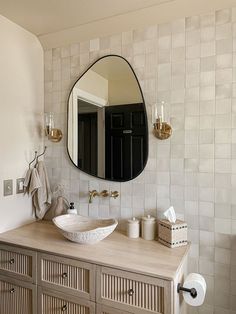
(133,221)
(148,218)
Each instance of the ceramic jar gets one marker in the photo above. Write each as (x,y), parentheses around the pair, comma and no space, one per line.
(148,227)
(133,228)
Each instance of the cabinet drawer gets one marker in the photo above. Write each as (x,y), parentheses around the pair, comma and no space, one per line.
(103,309)
(133,292)
(67,275)
(51,302)
(17,297)
(18,262)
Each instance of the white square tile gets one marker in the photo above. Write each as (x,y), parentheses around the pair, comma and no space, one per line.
(223,31)
(224,76)
(223,106)
(222,165)
(192,22)
(193,38)
(193,66)
(191,123)
(223,121)
(208,49)
(207,122)
(193,52)
(207,93)
(222,226)
(206,137)
(207,20)
(178,40)
(207,34)
(223,136)
(223,16)
(207,78)
(222,151)
(208,64)
(224,46)
(207,107)
(223,91)
(224,61)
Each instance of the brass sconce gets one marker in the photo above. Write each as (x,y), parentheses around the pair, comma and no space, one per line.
(161,129)
(53,134)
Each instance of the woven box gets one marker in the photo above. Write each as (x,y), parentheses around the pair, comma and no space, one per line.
(172,234)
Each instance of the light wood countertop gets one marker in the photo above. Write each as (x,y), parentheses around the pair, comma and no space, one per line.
(117,250)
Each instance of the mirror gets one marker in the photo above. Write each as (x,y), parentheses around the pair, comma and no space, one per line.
(107,121)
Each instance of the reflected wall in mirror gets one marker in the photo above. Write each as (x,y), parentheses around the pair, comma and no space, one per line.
(107,121)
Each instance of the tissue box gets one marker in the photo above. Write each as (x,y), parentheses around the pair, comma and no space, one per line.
(172,234)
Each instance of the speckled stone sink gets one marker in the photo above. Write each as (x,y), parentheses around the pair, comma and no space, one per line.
(84,230)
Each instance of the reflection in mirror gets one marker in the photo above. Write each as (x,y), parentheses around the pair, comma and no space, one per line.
(107,123)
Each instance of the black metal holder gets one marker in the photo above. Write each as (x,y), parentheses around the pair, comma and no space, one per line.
(192,291)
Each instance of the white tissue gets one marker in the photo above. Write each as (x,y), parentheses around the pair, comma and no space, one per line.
(170,214)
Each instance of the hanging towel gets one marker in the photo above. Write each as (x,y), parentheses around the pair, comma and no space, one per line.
(27,181)
(59,207)
(42,196)
(35,182)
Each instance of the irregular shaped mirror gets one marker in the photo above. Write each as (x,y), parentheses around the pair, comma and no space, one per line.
(107,122)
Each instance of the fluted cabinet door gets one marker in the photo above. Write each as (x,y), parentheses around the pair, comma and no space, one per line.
(51,302)
(133,292)
(17,297)
(67,275)
(18,262)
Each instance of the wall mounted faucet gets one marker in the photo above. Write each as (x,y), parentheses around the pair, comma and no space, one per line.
(104,193)
(92,194)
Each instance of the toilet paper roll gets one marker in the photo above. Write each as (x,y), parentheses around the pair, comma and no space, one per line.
(196,281)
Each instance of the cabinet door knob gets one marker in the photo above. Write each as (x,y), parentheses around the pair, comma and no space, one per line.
(12,261)
(64,308)
(130,292)
(12,290)
(64,275)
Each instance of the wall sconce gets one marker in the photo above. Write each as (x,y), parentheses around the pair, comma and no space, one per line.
(53,134)
(161,129)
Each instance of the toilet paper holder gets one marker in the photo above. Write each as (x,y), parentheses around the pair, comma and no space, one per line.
(192,291)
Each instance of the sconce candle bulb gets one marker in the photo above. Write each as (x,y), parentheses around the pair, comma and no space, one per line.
(162,111)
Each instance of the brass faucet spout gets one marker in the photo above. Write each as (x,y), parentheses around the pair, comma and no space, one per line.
(92,194)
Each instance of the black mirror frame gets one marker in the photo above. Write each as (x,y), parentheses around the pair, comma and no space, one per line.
(145,117)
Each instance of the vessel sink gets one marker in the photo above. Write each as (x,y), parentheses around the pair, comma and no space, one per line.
(84,230)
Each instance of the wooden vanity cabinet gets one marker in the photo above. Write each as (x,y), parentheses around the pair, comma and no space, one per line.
(68,278)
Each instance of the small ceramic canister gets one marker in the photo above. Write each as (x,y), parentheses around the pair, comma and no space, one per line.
(133,228)
(148,227)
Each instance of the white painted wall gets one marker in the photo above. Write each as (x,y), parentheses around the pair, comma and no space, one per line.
(21,108)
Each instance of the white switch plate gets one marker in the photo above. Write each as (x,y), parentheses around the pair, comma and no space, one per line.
(20,185)
(7,187)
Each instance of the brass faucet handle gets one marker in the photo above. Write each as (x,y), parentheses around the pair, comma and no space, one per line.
(104,193)
(114,194)
(93,193)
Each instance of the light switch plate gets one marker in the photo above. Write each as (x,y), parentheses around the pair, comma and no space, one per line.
(20,185)
(7,187)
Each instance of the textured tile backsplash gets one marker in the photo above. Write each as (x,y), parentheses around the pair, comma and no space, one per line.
(191,64)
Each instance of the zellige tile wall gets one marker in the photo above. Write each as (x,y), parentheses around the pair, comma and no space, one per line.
(191,64)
